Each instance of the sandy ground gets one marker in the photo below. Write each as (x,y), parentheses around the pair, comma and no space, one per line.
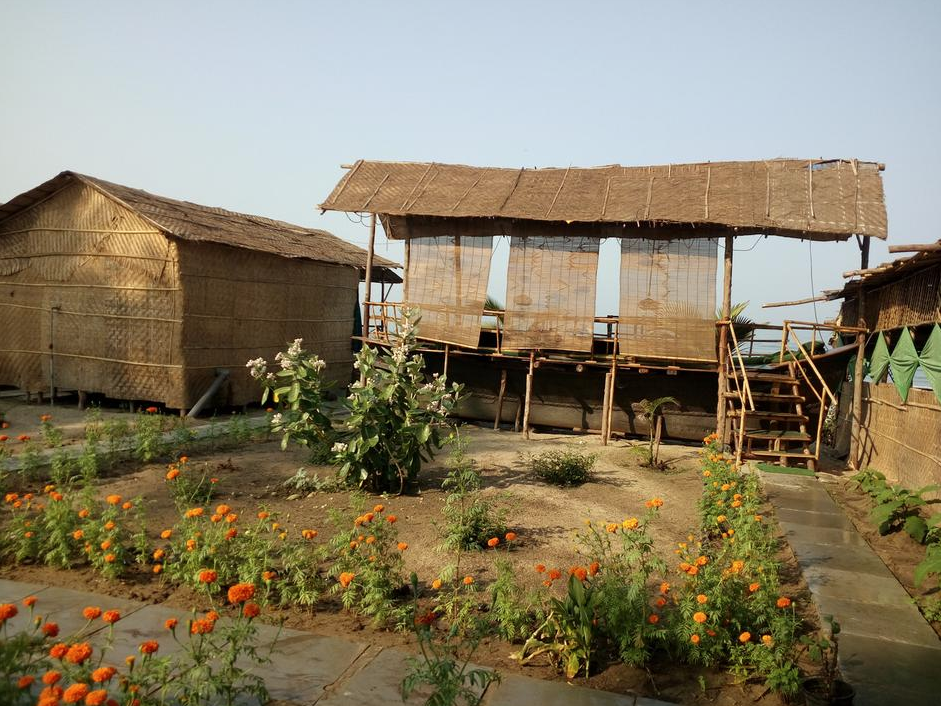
(543,516)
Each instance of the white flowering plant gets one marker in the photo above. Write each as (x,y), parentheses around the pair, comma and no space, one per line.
(396,415)
(300,388)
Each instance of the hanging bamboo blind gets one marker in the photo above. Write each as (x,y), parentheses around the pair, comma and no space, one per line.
(551,293)
(447,281)
(668,298)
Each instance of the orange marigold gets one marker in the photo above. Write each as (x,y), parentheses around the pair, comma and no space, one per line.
(391,519)
(173,473)
(51,677)
(579,572)
(269,575)
(7,611)
(653,619)
(98,697)
(203,626)
(78,653)
(25,681)
(767,639)
(744,637)
(654,503)
(111,616)
(231,533)
(664,587)
(436,584)
(223,509)
(554,574)
(493,541)
(612,527)
(208,576)
(78,534)
(346,578)
(540,568)
(195,512)
(594,568)
(263,515)
(58,650)
(166,534)
(379,508)
(171,623)
(308,533)
(700,617)
(783,602)
(702,598)
(251,610)
(241,592)
(149,647)
(30,601)
(402,546)
(754,587)
(510,536)
(113,499)
(75,693)
(630,523)
(50,630)
(157,568)
(103,674)
(694,639)
(468,580)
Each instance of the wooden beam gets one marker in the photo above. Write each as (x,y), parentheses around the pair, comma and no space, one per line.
(917,247)
(856,445)
(808,300)
(368,296)
(724,338)
(529,394)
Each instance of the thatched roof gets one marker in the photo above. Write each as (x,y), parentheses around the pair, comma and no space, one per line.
(927,255)
(190,221)
(814,199)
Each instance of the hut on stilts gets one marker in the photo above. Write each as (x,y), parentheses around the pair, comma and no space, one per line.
(549,360)
(112,290)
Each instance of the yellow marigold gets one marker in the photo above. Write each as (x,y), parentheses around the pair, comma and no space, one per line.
(612,527)
(630,523)
(654,503)
(767,639)
(436,584)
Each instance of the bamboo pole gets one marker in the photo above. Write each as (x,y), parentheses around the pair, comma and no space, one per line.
(604,405)
(609,413)
(447,351)
(408,252)
(496,420)
(529,394)
(856,446)
(917,247)
(368,295)
(723,339)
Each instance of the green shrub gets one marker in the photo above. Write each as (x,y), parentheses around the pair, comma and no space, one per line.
(469,519)
(563,467)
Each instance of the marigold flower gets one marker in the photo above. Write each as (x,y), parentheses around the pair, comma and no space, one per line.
(706,474)
(190,545)
(540,568)
(611,527)
(744,637)
(767,640)
(4,437)
(103,674)
(149,647)
(129,660)
(202,626)
(173,473)
(468,580)
(30,601)
(195,512)
(7,611)
(653,619)
(702,598)
(111,616)
(510,536)
(754,587)
(579,572)
(106,545)
(78,653)
(58,650)
(694,639)
(23,437)
(346,578)
(241,592)
(664,587)
(184,459)
(212,615)
(50,630)
(113,499)
(354,544)
(379,508)
(96,698)
(215,519)
(402,546)
(127,506)
(493,541)
(28,535)
(55,495)
(702,561)
(547,583)
(721,518)
(371,539)
(593,568)
(231,517)
(159,554)
(269,575)
(757,518)
(310,534)
(700,617)
(251,610)
(391,519)
(78,534)
(208,576)
(75,693)
(630,523)
(263,515)
(654,503)
(157,568)
(25,681)
(436,584)
(213,480)
(231,533)
(368,517)
(660,602)
(51,677)
(92,613)
(737,566)
(171,623)
(554,574)
(783,602)
(736,503)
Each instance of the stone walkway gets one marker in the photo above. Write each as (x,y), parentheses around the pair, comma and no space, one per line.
(306,669)
(888,652)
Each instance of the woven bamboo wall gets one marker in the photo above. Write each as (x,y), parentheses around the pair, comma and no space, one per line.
(902,441)
(907,301)
(113,277)
(241,304)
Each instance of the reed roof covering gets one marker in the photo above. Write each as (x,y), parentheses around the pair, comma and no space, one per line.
(887,272)
(190,221)
(813,199)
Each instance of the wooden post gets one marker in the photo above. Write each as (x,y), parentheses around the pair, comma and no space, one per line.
(604,407)
(724,339)
(856,446)
(408,252)
(609,411)
(447,351)
(529,394)
(368,295)
(496,420)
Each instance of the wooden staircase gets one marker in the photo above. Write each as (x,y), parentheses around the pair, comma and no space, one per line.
(776,412)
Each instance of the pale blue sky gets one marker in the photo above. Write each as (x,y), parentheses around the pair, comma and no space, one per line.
(253,106)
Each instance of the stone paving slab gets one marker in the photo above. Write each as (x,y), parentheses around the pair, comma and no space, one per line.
(378,682)
(851,586)
(140,626)
(16,591)
(64,607)
(896,674)
(800,535)
(895,623)
(807,499)
(825,520)
(855,558)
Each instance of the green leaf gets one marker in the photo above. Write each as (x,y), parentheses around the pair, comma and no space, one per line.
(916,527)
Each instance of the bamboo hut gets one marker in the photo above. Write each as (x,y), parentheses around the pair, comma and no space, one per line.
(888,423)
(113,290)
(550,360)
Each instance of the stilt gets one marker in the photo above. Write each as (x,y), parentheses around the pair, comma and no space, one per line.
(604,406)
(529,394)
(81,400)
(519,412)
(447,351)
(496,420)
(856,420)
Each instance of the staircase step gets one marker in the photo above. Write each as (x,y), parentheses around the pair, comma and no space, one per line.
(770,397)
(775,434)
(771,415)
(764,453)
(771,377)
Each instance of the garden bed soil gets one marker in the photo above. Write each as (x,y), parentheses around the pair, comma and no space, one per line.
(899,552)
(544,517)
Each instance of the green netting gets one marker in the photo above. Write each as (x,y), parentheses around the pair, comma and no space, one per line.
(904,363)
(930,360)
(879,362)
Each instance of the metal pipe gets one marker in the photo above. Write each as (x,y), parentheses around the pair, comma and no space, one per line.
(221,375)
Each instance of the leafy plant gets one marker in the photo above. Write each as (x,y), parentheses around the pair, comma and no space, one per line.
(148,435)
(304,482)
(470,520)
(188,484)
(896,507)
(825,651)
(563,467)
(651,410)
(512,611)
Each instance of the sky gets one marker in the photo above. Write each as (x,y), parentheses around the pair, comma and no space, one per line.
(253,106)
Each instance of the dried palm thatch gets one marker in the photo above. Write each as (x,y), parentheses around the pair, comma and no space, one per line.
(814,199)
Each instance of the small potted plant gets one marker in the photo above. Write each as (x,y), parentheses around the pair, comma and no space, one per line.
(827,688)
